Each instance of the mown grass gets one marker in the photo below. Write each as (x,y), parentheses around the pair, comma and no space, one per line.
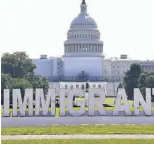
(108,141)
(80,129)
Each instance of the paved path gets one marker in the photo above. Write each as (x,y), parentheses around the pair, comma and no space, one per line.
(29,137)
(39,121)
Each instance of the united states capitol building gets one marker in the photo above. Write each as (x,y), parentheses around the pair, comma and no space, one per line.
(83,58)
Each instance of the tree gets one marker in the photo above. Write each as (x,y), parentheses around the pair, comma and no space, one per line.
(5,81)
(17,64)
(38,82)
(131,80)
(142,84)
(150,84)
(5,84)
(13,83)
(22,84)
(146,80)
(119,86)
(18,73)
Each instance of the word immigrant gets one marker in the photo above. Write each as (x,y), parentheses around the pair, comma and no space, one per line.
(46,105)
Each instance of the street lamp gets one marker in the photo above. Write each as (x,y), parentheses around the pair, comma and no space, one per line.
(86,93)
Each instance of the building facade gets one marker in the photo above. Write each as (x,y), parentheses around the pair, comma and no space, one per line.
(83,49)
(83,58)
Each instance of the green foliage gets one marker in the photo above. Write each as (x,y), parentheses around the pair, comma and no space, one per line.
(18,73)
(81,141)
(119,86)
(22,84)
(150,84)
(131,80)
(137,78)
(80,129)
(150,81)
(17,64)
(38,81)
(5,81)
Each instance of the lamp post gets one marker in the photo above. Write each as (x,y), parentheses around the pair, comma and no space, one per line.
(86,93)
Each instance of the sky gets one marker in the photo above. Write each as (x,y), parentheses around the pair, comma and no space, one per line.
(40,26)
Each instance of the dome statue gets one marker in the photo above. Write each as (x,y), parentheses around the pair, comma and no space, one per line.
(83,37)
(83,19)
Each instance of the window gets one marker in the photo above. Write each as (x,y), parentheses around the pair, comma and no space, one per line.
(71,86)
(77,86)
(94,86)
(82,87)
(66,86)
(99,86)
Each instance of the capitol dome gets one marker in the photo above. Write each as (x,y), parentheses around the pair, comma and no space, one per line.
(83,21)
(83,37)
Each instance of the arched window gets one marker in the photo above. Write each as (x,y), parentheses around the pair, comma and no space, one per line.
(99,86)
(77,86)
(94,86)
(82,87)
(66,87)
(71,86)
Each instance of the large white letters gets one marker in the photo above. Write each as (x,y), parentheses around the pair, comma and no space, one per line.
(50,99)
(81,103)
(6,102)
(138,99)
(118,107)
(23,105)
(96,102)
(43,102)
(62,102)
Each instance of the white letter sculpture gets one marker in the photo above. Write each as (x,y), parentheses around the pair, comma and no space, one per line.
(96,102)
(6,102)
(23,105)
(50,99)
(138,99)
(81,103)
(118,107)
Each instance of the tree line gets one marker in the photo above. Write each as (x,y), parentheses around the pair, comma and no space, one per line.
(136,77)
(17,72)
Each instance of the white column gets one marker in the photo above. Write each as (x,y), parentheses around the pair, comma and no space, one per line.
(66,48)
(86,98)
(75,48)
(91,48)
(70,48)
(96,48)
(99,48)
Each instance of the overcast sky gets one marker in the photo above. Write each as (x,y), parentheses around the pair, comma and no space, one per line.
(40,26)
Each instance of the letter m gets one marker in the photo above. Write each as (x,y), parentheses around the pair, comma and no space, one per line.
(40,100)
(17,100)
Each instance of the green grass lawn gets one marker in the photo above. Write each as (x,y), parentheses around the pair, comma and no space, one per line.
(110,141)
(81,129)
